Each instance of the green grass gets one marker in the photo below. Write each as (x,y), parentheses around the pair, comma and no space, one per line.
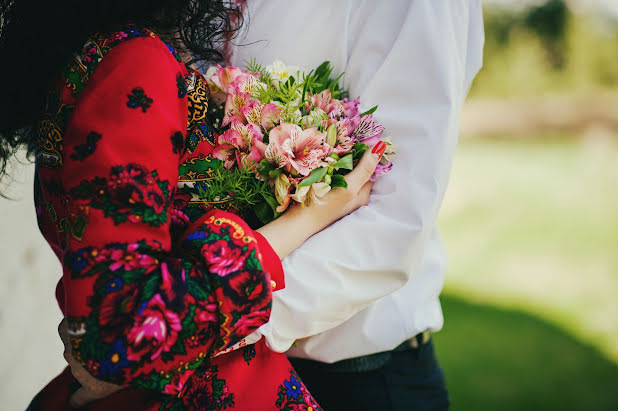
(530,298)
(497,359)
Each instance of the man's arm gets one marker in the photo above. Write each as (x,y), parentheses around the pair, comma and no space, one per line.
(415,59)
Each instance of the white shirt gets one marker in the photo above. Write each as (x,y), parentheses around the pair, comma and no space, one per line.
(372,280)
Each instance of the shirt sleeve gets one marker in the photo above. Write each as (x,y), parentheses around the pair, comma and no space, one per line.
(416,60)
(138,314)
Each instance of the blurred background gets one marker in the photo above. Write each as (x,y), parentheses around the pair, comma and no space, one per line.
(530,218)
(530,221)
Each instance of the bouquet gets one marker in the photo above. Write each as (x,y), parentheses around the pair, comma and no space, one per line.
(285,135)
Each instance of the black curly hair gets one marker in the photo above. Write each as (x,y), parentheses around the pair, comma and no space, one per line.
(37,38)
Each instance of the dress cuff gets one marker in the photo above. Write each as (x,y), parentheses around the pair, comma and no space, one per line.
(271,262)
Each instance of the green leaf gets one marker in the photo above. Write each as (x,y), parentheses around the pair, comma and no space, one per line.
(370,111)
(315,176)
(345,162)
(337,180)
(266,210)
(359,150)
(274,173)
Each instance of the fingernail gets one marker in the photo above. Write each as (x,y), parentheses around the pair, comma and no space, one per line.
(379,147)
(382,150)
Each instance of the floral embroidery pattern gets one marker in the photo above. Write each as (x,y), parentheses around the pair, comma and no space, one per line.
(131,193)
(138,98)
(84,150)
(293,395)
(177,142)
(248,353)
(182,85)
(206,391)
(166,305)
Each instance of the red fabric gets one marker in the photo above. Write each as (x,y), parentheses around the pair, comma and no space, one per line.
(271,261)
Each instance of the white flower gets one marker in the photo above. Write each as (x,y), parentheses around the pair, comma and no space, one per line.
(280,72)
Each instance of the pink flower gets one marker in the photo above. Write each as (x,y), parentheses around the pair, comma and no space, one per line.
(154,331)
(235,101)
(368,131)
(178,383)
(350,108)
(206,312)
(252,112)
(224,76)
(380,170)
(131,260)
(241,144)
(304,149)
(222,259)
(251,322)
(271,114)
(326,102)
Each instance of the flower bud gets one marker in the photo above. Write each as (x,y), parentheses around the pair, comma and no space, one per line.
(331,135)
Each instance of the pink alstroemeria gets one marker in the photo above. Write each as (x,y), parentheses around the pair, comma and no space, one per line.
(368,131)
(241,144)
(271,114)
(326,102)
(224,76)
(304,149)
(350,108)
(380,170)
(234,103)
(252,112)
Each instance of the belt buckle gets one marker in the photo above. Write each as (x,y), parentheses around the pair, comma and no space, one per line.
(423,337)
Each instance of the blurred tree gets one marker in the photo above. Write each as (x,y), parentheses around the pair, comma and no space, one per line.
(549,21)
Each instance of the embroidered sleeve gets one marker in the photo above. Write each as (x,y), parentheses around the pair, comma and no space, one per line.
(138,315)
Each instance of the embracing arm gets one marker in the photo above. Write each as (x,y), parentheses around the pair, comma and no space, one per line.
(415,59)
(137,314)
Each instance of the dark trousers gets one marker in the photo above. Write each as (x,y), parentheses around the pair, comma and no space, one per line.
(410,380)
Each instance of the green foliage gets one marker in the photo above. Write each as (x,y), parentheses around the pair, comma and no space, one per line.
(315,176)
(546,49)
(239,186)
(254,67)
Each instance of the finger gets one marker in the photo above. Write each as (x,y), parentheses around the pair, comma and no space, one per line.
(365,167)
(364,193)
(64,336)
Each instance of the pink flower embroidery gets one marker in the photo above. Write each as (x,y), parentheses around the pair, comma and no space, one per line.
(131,260)
(154,331)
(222,259)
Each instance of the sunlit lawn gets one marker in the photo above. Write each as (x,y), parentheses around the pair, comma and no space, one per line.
(531,299)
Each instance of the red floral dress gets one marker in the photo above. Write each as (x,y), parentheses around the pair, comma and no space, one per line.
(155,284)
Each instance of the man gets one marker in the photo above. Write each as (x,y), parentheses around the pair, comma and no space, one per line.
(365,290)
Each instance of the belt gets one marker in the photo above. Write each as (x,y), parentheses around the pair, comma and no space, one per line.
(374,361)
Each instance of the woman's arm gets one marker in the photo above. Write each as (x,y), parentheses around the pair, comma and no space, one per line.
(137,314)
(288,232)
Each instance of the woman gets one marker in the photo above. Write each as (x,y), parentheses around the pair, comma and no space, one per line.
(155,290)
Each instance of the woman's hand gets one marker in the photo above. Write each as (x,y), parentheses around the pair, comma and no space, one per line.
(91,388)
(298,223)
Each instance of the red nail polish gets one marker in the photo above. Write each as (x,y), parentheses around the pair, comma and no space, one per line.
(378,147)
(382,150)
